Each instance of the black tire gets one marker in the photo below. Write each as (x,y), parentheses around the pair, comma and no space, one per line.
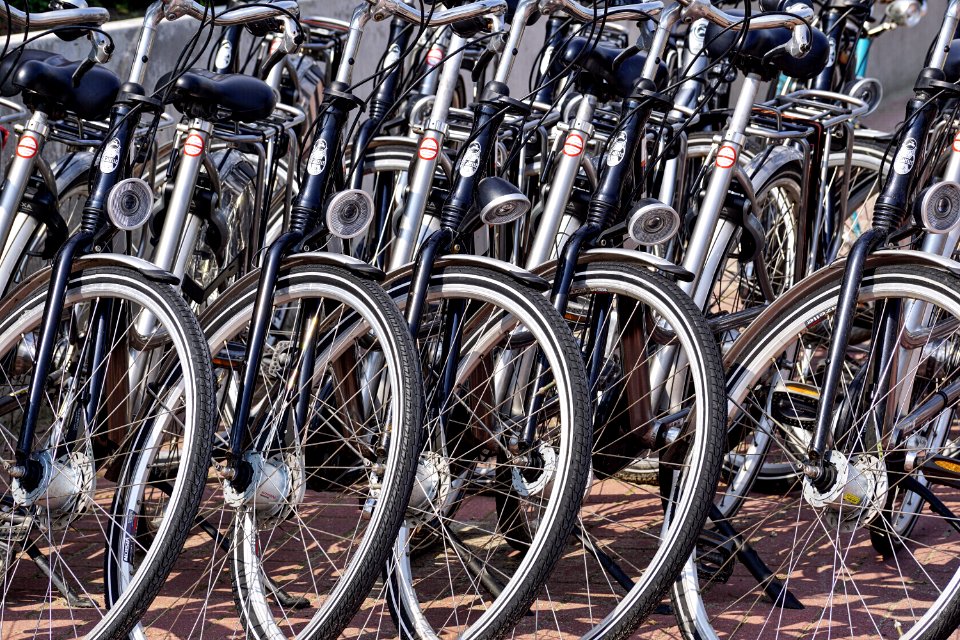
(801,323)
(102,449)
(443,530)
(624,516)
(257,542)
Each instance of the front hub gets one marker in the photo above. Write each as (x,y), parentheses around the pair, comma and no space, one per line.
(275,490)
(855,494)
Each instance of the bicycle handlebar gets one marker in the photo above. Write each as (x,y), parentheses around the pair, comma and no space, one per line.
(174,9)
(800,16)
(381,9)
(88,16)
(639,11)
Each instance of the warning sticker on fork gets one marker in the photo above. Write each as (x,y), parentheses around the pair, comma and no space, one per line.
(956,142)
(27,147)
(726,157)
(573,145)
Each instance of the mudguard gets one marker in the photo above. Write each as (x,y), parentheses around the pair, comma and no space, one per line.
(623,256)
(464,260)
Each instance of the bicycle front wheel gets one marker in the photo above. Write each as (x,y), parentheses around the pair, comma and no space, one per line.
(503,474)
(849,559)
(331,445)
(72,564)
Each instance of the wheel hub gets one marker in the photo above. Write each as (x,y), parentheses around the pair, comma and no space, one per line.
(276,489)
(856,494)
(65,489)
(431,487)
(538,476)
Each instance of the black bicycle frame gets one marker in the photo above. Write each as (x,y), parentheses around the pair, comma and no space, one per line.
(890,212)
(94,232)
(833,23)
(305,226)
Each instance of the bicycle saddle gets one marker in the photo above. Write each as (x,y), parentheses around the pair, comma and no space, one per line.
(199,93)
(600,72)
(951,68)
(753,54)
(46,80)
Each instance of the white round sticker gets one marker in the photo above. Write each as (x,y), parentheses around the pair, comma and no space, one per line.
(471,160)
(224,55)
(906,156)
(617,150)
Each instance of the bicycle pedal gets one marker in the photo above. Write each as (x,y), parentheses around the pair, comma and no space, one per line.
(795,404)
(715,555)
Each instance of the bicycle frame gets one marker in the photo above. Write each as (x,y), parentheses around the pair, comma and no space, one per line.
(889,212)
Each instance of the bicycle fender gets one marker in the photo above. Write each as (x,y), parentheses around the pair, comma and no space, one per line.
(883,258)
(519,274)
(354,265)
(623,256)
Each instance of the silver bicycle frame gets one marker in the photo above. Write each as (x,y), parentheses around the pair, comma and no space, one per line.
(421,178)
(17,228)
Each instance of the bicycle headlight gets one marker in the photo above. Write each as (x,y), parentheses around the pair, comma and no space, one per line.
(652,222)
(130,204)
(906,13)
(938,207)
(500,202)
(349,213)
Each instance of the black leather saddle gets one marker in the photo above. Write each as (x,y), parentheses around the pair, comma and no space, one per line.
(204,94)
(46,81)
(755,53)
(605,69)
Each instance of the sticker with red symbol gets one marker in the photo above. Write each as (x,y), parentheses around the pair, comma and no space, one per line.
(429,149)
(726,157)
(27,147)
(956,142)
(573,145)
(193,146)
(434,56)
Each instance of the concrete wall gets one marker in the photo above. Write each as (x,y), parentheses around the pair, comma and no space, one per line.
(897,56)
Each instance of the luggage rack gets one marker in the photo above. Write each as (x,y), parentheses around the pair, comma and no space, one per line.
(284,118)
(73,132)
(796,114)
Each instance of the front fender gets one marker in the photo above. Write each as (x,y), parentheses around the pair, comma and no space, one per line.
(519,274)
(884,258)
(354,265)
(624,256)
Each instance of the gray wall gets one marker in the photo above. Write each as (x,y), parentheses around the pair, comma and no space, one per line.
(897,56)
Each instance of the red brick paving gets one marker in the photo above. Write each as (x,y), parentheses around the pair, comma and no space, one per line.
(180,612)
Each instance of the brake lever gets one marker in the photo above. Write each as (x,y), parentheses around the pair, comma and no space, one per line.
(289,41)
(797,46)
(100,52)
